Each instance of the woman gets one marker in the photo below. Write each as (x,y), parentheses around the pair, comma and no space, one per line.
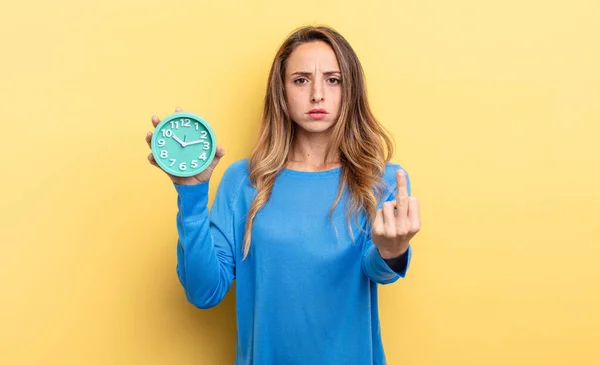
(310,223)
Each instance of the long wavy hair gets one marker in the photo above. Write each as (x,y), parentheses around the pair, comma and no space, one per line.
(364,146)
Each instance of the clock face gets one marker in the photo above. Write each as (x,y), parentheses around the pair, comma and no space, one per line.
(183,144)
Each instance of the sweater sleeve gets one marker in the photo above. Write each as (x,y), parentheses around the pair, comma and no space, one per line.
(205,247)
(375,266)
(398,264)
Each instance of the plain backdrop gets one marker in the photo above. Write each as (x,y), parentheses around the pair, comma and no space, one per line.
(494,107)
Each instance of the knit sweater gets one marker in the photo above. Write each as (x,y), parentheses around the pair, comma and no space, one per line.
(305,295)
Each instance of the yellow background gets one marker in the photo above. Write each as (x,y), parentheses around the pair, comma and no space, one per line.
(494,107)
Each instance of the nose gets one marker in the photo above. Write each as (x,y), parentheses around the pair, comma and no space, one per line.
(317,94)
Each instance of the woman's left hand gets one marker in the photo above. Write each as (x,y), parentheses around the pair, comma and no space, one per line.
(391,231)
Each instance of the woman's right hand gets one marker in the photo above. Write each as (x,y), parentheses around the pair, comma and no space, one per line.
(191,180)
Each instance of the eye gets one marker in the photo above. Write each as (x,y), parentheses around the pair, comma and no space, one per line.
(334,80)
(300,79)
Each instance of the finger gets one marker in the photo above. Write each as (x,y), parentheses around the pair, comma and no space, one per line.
(149,138)
(152,160)
(178,109)
(218,154)
(401,199)
(155,121)
(378,223)
(414,214)
(389,221)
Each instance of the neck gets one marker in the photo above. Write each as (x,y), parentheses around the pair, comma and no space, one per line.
(308,152)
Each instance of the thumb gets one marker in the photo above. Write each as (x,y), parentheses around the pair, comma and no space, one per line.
(218,154)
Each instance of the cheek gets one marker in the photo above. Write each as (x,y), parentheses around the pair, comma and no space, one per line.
(336,97)
(335,92)
(293,100)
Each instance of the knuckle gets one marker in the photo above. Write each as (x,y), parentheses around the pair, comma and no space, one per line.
(390,234)
(402,231)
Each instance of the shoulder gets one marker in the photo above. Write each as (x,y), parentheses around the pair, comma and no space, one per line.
(237,170)
(235,175)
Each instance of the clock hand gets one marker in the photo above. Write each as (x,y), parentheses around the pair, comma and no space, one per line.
(195,142)
(182,143)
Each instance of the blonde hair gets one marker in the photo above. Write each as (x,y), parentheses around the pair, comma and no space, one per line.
(363,144)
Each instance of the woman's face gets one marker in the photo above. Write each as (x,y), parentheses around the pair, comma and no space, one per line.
(313,82)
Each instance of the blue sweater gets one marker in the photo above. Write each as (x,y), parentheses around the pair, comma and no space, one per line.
(303,297)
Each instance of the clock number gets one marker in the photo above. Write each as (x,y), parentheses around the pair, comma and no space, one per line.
(164,154)
(185,122)
(167,133)
(206,146)
(175,124)
(161,142)
(194,164)
(202,156)
(182,166)
(173,162)
(197,125)
(203,134)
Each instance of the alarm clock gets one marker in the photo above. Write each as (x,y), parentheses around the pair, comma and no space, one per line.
(183,144)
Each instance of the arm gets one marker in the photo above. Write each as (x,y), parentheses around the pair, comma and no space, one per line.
(205,248)
(385,270)
(379,270)
(398,264)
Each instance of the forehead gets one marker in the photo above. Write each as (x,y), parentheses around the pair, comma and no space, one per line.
(311,56)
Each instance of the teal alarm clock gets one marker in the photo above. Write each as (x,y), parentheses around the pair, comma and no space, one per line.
(183,144)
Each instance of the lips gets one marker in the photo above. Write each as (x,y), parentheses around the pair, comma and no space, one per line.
(317,113)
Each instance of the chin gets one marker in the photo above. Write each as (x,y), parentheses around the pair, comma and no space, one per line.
(315,126)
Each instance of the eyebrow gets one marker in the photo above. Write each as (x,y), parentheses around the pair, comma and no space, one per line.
(303,73)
